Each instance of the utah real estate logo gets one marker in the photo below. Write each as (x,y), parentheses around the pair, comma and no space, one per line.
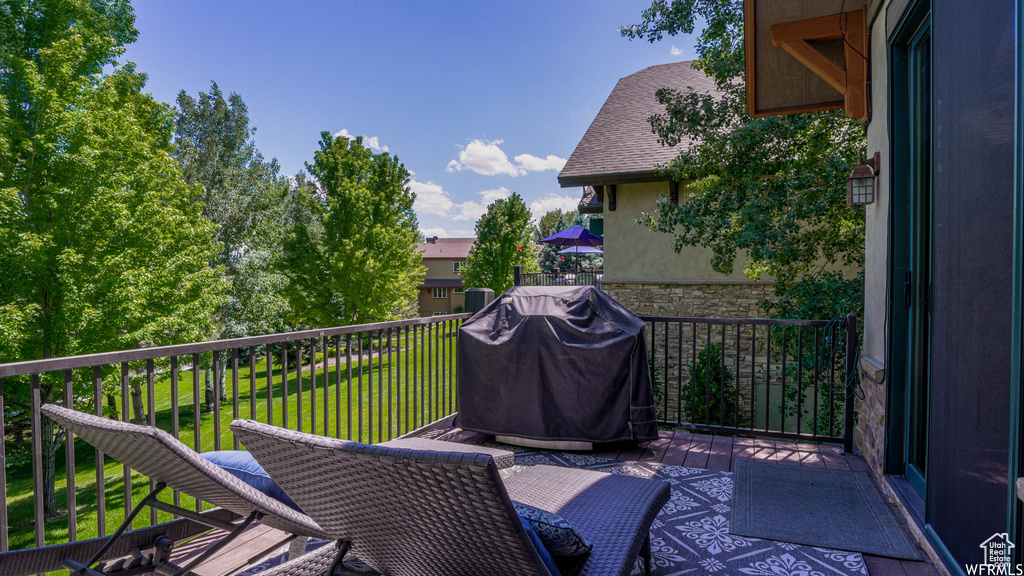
(997,554)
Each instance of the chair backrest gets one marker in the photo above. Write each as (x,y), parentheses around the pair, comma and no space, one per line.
(160,456)
(406,512)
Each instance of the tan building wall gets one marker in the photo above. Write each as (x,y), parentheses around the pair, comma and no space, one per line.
(870,432)
(636,253)
(441,269)
(429,304)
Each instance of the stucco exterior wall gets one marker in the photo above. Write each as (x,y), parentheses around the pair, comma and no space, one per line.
(429,304)
(633,252)
(870,432)
(441,268)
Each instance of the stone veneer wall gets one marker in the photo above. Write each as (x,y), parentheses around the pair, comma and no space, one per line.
(870,430)
(702,299)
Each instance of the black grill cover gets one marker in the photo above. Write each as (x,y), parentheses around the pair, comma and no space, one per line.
(555,363)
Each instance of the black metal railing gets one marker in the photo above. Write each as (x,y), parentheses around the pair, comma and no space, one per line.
(367,383)
(583,277)
(778,378)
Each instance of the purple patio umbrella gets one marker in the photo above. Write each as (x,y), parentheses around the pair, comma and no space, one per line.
(581,250)
(576,236)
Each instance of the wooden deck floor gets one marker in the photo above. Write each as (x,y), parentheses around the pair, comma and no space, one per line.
(678,448)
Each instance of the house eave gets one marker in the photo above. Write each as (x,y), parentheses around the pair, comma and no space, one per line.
(608,179)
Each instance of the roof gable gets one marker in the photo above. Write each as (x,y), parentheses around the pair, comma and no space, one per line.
(446,248)
(619,144)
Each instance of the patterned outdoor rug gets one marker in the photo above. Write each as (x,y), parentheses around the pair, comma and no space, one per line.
(691,534)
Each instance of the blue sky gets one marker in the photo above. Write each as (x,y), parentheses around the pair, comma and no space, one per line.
(477,99)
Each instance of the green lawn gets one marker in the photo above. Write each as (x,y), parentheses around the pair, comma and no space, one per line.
(385,413)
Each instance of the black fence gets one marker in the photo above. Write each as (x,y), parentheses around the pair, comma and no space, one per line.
(367,383)
(583,277)
(791,379)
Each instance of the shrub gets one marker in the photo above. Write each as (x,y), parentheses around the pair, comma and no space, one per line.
(710,397)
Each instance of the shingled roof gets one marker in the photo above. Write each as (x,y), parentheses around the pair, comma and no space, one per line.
(619,145)
(446,248)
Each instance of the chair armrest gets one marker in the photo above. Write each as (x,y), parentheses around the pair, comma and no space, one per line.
(502,458)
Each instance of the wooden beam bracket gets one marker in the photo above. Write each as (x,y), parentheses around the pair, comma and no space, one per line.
(849,80)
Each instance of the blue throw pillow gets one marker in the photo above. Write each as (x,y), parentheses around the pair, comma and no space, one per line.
(559,537)
(243,466)
(545,556)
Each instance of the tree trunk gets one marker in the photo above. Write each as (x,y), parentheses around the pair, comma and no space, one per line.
(49,465)
(140,412)
(208,389)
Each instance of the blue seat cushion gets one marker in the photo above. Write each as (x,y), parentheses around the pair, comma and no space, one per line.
(558,535)
(243,466)
(545,556)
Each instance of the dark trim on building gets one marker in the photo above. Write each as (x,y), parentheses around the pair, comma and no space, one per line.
(605,179)
(1015,512)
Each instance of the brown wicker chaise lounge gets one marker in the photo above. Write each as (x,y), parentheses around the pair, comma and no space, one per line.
(429,513)
(168,462)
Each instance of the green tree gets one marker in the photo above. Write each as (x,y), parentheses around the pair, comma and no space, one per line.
(244,196)
(548,258)
(350,255)
(102,244)
(504,239)
(773,187)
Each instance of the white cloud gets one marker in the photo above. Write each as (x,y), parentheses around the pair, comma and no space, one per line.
(675,51)
(471,210)
(495,194)
(487,158)
(534,164)
(374,142)
(430,198)
(371,141)
(433,199)
(553,202)
(431,232)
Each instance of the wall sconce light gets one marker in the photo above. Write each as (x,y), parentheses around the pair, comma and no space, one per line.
(860,186)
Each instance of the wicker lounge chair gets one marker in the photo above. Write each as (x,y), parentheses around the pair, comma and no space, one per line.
(423,513)
(168,462)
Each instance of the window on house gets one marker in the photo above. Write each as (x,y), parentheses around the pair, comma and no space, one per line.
(439,292)
(458,290)
(439,314)
(457,267)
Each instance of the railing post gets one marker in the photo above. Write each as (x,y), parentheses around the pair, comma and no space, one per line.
(517,275)
(850,381)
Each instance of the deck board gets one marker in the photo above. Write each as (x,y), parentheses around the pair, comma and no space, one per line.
(236,555)
(700,449)
(880,566)
(656,449)
(720,456)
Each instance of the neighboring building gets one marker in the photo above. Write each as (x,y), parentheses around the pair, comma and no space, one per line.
(442,291)
(940,420)
(616,163)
